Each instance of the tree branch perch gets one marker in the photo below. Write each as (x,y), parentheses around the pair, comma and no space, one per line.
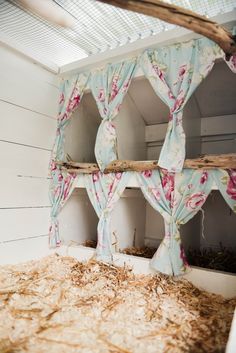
(223,161)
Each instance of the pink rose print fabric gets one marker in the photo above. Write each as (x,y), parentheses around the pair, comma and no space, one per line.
(71,92)
(177,197)
(231,185)
(174,73)
(62,186)
(226,183)
(109,86)
(104,190)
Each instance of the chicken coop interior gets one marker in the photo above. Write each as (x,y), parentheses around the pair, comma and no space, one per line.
(118,148)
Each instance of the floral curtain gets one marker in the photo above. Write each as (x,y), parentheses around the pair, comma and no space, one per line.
(226,183)
(62,186)
(71,92)
(109,86)
(104,190)
(178,197)
(174,73)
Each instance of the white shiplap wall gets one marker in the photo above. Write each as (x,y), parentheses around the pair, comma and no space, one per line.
(28,109)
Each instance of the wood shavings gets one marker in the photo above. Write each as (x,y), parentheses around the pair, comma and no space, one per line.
(58,304)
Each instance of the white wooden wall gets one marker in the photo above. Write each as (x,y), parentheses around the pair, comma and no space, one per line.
(28,109)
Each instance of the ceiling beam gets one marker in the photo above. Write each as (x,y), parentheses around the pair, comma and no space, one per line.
(178,34)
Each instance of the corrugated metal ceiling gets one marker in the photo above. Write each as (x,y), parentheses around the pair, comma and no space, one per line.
(99,27)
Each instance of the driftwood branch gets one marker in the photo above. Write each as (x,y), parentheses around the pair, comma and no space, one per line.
(224,161)
(182,17)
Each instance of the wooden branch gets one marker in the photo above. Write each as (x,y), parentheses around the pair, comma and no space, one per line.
(224,161)
(181,17)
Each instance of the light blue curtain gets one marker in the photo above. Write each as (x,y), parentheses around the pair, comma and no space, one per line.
(61,189)
(177,197)
(61,185)
(226,182)
(104,190)
(175,72)
(109,86)
(71,92)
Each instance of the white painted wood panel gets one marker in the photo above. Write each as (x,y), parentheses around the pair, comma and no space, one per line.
(39,96)
(23,192)
(128,219)
(219,125)
(26,127)
(24,250)
(130,128)
(82,131)
(149,105)
(23,223)
(154,230)
(28,108)
(18,65)
(22,160)
(155,132)
(219,223)
(192,128)
(218,147)
(216,94)
(78,220)
(23,86)
(153,152)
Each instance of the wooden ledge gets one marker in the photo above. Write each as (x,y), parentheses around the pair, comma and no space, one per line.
(223,161)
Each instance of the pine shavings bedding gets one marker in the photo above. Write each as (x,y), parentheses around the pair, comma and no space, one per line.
(58,304)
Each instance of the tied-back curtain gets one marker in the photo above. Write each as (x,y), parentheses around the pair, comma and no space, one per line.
(71,92)
(178,197)
(174,73)
(104,190)
(226,183)
(109,86)
(62,186)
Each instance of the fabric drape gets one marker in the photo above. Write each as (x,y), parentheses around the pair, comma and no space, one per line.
(104,190)
(174,73)
(177,197)
(226,183)
(71,92)
(109,86)
(61,188)
(61,185)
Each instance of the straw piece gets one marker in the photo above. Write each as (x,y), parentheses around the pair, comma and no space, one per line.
(59,304)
